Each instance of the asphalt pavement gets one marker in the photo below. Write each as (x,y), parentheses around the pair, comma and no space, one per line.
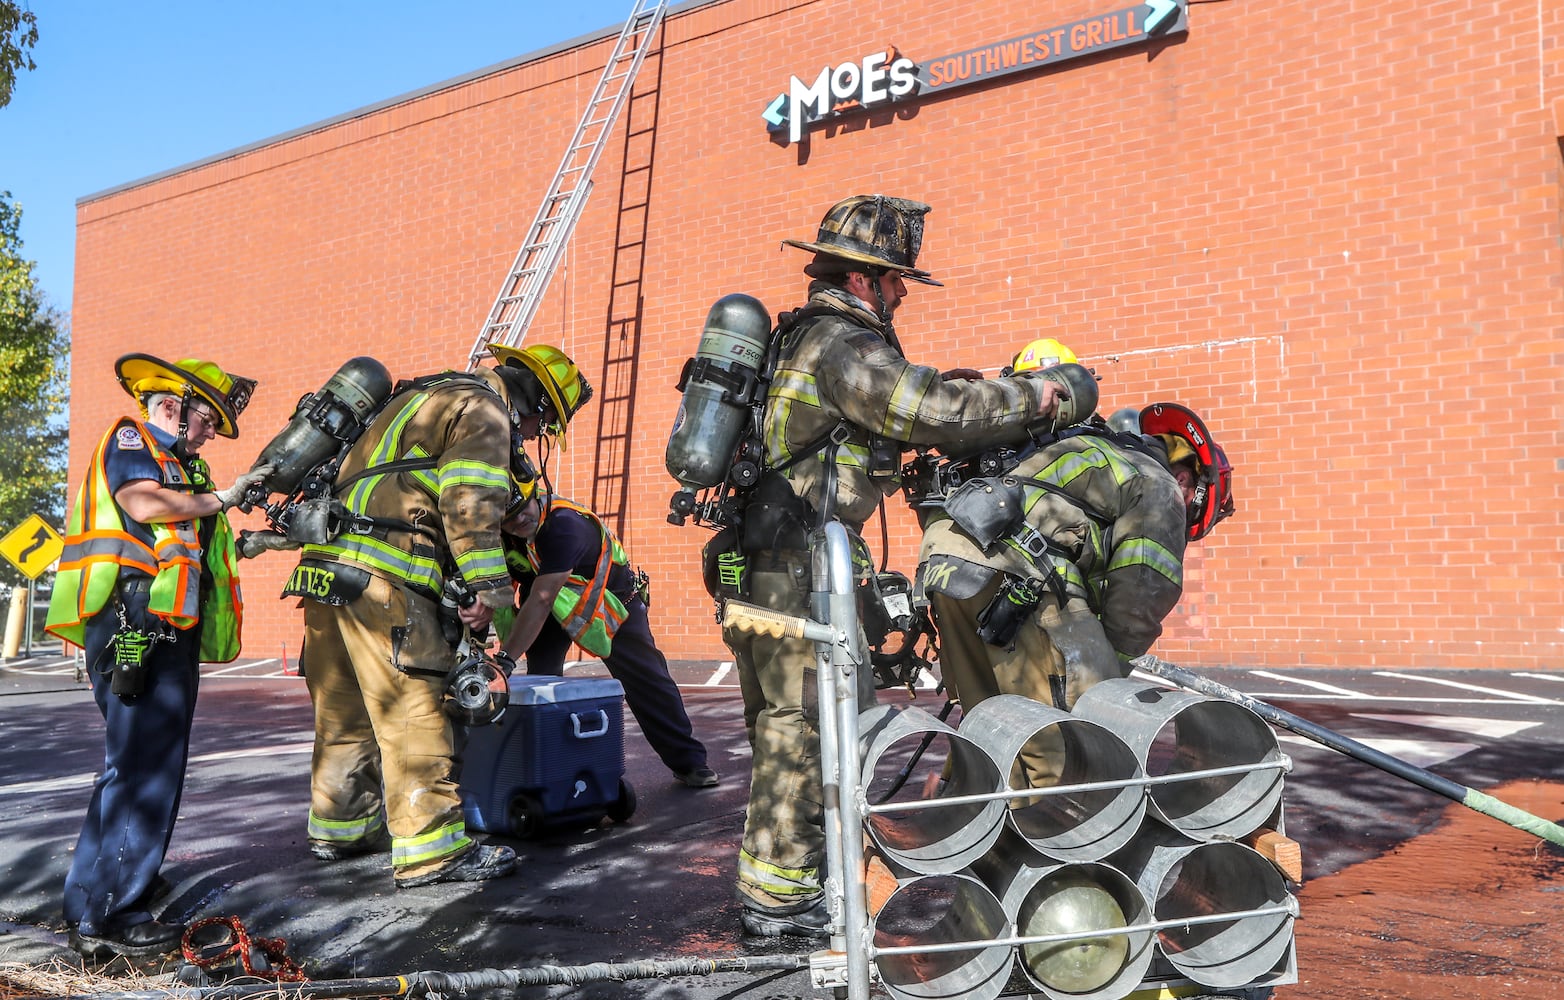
(660,885)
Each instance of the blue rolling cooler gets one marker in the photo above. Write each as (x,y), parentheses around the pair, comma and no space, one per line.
(556,759)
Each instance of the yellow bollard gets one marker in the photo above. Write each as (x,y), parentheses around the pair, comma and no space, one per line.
(16,621)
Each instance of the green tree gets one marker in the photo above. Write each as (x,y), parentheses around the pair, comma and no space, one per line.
(18,33)
(34,391)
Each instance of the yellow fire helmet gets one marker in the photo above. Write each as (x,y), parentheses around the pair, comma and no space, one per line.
(568,390)
(1043,353)
(228,395)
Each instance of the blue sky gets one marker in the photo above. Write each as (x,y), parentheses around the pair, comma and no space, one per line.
(124,89)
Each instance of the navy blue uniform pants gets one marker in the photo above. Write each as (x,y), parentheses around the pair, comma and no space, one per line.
(136,799)
(640,667)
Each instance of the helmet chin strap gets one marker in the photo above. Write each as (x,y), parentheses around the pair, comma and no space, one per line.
(181,438)
(884,311)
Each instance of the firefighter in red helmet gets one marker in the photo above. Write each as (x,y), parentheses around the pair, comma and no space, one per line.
(1080,583)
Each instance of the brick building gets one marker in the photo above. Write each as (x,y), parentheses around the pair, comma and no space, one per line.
(1333,228)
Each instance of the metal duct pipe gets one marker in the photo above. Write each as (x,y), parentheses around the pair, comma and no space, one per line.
(1041,746)
(1175,732)
(934,838)
(1186,879)
(942,928)
(1044,898)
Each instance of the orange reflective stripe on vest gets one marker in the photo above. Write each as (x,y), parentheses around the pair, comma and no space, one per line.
(584,607)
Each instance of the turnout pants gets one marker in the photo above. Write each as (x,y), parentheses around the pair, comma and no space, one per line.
(135,800)
(640,667)
(382,740)
(1035,666)
(784,828)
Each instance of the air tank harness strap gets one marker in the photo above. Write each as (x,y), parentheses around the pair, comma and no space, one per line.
(385,469)
(1035,545)
(1103,520)
(363,524)
(740,385)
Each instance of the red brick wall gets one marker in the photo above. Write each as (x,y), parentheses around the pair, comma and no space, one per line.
(1333,228)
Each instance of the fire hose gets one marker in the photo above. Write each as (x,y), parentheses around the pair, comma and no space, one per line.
(439,985)
(1471,798)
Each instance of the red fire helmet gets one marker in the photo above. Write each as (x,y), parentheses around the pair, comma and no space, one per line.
(1213,499)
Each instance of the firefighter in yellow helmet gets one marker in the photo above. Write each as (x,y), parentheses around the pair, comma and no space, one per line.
(550,385)
(429,480)
(147,586)
(843,405)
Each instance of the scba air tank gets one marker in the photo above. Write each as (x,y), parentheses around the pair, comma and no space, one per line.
(323,422)
(720,386)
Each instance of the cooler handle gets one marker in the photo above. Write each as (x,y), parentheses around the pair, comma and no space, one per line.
(575,722)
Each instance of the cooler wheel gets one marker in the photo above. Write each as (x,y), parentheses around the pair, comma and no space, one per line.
(623,807)
(526,816)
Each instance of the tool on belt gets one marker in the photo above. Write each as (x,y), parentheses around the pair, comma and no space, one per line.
(130,646)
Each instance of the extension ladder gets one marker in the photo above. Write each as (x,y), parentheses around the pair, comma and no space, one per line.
(544,244)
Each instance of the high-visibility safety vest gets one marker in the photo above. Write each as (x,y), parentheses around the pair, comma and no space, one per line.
(98,548)
(585,608)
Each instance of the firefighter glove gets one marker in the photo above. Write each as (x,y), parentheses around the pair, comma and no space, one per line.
(235,494)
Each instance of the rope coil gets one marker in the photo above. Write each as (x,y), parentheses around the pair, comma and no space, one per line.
(242,945)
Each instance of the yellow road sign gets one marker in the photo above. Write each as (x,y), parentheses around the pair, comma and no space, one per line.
(32,546)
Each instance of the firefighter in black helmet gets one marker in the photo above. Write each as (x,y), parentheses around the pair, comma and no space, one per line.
(843,405)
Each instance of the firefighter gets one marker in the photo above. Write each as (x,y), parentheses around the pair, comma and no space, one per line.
(147,587)
(575,585)
(1081,584)
(843,405)
(427,485)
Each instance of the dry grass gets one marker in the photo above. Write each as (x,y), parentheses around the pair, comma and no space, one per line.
(61,979)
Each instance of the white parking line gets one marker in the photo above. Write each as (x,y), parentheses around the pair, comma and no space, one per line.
(1509,695)
(284,750)
(1421,753)
(717,675)
(1555,678)
(1493,728)
(1317,685)
(245,666)
(84,780)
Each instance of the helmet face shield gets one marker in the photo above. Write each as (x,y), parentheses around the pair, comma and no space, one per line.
(1213,500)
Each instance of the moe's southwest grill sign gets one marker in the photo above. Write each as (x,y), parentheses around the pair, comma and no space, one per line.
(887,77)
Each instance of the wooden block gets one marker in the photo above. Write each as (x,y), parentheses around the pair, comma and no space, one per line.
(1285,854)
(879,882)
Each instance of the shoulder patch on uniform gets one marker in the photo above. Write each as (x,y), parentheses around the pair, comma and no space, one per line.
(865,342)
(954,577)
(129,439)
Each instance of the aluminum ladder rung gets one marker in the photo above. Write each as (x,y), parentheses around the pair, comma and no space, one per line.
(550,231)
